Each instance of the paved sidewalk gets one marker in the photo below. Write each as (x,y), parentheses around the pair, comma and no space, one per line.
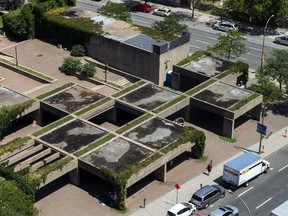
(163,203)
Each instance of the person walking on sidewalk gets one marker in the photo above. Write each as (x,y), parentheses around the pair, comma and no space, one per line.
(209,167)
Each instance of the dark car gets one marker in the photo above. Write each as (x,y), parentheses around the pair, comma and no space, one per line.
(207,195)
(143,7)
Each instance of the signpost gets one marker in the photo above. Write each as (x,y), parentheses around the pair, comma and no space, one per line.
(262,129)
(177,186)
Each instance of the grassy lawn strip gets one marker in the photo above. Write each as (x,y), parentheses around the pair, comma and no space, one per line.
(108,83)
(224,74)
(94,144)
(53,125)
(55,90)
(14,144)
(92,106)
(130,88)
(195,57)
(133,123)
(227,139)
(41,174)
(200,87)
(155,34)
(169,104)
(241,103)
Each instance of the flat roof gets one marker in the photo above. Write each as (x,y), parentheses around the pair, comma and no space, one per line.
(243,160)
(149,97)
(9,97)
(222,94)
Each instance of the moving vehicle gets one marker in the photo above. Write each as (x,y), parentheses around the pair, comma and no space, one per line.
(207,195)
(245,167)
(225,26)
(225,211)
(165,12)
(182,209)
(281,40)
(143,7)
(281,210)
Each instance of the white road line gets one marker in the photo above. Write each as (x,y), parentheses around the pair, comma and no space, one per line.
(195,46)
(264,203)
(202,42)
(212,38)
(283,168)
(255,48)
(140,21)
(243,58)
(246,191)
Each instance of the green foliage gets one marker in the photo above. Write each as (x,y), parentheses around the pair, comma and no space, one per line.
(92,106)
(231,43)
(11,5)
(276,67)
(199,139)
(267,88)
(228,139)
(195,57)
(115,10)
(1,23)
(130,88)
(10,113)
(170,25)
(88,70)
(78,51)
(169,104)
(13,145)
(243,102)
(237,67)
(14,202)
(200,87)
(158,35)
(53,125)
(71,66)
(40,97)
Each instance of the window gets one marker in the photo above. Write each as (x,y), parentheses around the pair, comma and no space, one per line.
(183,211)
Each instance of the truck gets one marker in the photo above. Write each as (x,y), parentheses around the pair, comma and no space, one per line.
(240,170)
(281,210)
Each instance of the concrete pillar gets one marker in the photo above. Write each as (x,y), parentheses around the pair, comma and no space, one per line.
(39,117)
(160,173)
(256,112)
(175,84)
(186,111)
(74,176)
(228,127)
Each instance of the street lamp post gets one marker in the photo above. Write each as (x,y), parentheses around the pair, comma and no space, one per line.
(231,192)
(265,28)
(262,122)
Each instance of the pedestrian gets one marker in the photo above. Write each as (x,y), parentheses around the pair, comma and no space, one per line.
(209,167)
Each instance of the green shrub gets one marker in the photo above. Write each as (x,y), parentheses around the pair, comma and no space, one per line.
(88,70)
(78,51)
(71,66)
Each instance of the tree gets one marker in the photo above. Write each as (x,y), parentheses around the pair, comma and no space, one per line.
(170,25)
(88,70)
(115,10)
(78,51)
(71,66)
(267,88)
(276,67)
(14,202)
(231,43)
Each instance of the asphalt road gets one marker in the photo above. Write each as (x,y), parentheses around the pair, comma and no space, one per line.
(264,193)
(201,35)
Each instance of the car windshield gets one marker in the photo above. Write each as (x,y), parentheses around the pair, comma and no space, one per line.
(222,209)
(186,204)
(170,214)
(195,197)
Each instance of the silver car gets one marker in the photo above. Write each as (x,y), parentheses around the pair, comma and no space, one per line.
(225,26)
(281,40)
(226,210)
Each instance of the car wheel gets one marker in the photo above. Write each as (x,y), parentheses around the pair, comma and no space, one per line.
(206,205)
(193,212)
(222,195)
(266,170)
(277,42)
(247,184)
(236,215)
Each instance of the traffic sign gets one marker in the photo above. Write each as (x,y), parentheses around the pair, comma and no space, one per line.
(261,128)
(177,186)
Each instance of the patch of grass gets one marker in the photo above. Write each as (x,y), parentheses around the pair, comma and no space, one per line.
(195,57)
(169,104)
(53,125)
(108,83)
(241,103)
(92,106)
(1,23)
(13,145)
(55,91)
(228,139)
(94,145)
(130,88)
(200,87)
(155,34)
(133,123)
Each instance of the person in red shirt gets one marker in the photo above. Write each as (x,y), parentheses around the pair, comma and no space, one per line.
(209,167)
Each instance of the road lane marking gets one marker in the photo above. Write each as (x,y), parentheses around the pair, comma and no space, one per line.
(139,20)
(264,203)
(283,168)
(212,38)
(195,46)
(242,58)
(245,191)
(255,48)
(202,42)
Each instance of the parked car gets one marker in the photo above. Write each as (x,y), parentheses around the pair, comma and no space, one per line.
(179,121)
(143,7)
(165,12)
(281,40)
(225,26)
(182,209)
(226,210)
(207,195)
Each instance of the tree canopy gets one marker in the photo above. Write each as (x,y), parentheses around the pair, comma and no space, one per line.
(231,43)
(115,10)
(170,25)
(276,67)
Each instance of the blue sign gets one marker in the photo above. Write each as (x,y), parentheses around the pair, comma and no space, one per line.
(261,128)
